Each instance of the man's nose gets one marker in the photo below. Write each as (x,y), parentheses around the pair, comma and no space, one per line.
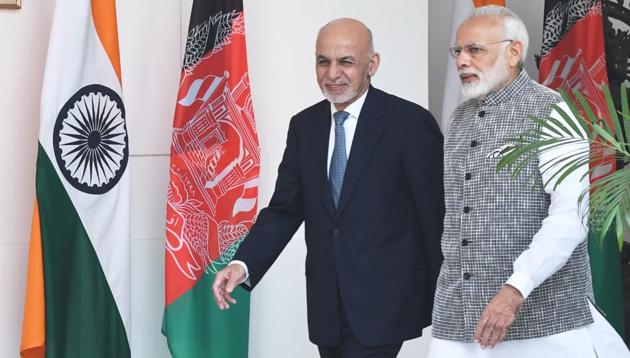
(334,71)
(462,60)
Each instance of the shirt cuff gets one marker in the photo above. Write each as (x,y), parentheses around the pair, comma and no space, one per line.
(521,282)
(244,266)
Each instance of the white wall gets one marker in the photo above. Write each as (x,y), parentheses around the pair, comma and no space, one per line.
(150,49)
(280,35)
(23,43)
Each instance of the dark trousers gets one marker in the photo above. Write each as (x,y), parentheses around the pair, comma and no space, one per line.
(350,347)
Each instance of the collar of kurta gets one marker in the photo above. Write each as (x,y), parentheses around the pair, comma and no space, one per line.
(508,92)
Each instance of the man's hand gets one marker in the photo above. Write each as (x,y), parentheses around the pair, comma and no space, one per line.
(498,316)
(224,283)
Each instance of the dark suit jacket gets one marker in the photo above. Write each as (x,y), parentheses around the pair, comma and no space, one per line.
(379,254)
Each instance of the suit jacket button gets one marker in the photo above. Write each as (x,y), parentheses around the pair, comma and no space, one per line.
(467,276)
(464,242)
(466,209)
(473,143)
(336,233)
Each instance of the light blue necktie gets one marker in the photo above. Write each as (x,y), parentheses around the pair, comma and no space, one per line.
(339,158)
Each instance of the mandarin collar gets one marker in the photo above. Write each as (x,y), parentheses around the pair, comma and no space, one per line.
(506,93)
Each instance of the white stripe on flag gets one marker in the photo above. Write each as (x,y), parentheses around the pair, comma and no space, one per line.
(76,58)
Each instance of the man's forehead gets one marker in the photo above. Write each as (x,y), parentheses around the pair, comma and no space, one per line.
(478,30)
(337,46)
(338,41)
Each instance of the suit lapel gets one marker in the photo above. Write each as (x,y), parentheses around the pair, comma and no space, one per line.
(366,137)
(321,131)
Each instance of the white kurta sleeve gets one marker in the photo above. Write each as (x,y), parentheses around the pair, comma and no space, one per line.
(565,226)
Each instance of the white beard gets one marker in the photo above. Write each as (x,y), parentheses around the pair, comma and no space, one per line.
(339,98)
(487,82)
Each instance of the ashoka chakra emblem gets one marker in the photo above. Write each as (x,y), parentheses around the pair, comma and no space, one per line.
(90,139)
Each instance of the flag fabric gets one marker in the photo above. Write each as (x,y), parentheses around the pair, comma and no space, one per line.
(573,58)
(77,299)
(452,85)
(213,191)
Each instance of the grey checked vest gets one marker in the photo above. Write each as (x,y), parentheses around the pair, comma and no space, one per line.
(491,219)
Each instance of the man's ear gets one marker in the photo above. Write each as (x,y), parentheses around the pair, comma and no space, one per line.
(515,50)
(375,60)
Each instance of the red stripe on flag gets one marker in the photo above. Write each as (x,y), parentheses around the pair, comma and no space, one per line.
(578,62)
(214,161)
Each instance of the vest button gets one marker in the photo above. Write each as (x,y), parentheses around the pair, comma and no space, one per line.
(467,276)
(468,176)
(473,143)
(464,242)
(336,233)
(482,113)
(466,209)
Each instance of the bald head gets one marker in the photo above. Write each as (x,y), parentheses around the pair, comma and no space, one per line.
(345,61)
(347,27)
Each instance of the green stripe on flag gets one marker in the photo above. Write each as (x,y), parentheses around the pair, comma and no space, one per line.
(606,271)
(82,319)
(195,326)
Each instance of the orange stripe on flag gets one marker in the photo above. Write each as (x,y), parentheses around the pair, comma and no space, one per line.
(104,16)
(480,3)
(34,326)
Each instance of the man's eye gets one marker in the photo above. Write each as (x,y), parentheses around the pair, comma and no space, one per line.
(474,50)
(322,62)
(346,63)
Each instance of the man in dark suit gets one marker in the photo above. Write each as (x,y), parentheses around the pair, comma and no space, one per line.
(363,170)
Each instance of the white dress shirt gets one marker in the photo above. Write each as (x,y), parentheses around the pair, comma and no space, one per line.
(561,231)
(349,127)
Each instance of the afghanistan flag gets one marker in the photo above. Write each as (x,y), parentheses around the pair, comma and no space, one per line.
(573,58)
(77,299)
(213,189)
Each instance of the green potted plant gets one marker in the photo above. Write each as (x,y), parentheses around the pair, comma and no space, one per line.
(610,195)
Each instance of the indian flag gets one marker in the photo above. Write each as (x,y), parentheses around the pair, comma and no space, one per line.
(77,299)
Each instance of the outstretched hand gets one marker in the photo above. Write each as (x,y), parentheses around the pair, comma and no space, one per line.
(224,283)
(498,316)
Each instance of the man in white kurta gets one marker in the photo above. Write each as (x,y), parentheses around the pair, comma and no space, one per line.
(515,281)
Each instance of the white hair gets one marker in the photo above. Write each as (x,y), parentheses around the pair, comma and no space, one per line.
(513,27)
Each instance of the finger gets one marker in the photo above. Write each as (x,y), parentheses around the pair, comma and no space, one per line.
(230,299)
(486,334)
(500,338)
(227,293)
(501,330)
(493,337)
(233,279)
(481,325)
(218,289)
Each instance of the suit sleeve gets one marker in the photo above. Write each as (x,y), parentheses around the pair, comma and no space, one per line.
(423,163)
(276,223)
